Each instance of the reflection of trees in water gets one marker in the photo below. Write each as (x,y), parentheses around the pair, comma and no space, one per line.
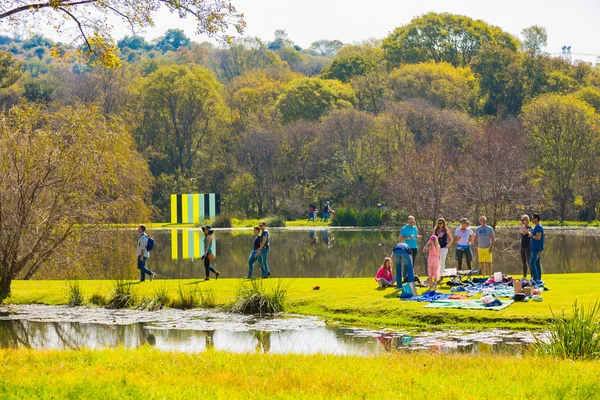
(264,341)
(357,253)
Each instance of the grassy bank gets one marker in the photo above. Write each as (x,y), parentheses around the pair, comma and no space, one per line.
(150,374)
(348,300)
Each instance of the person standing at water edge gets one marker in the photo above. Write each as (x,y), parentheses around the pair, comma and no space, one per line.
(326,212)
(263,250)
(484,239)
(445,240)
(525,245)
(143,254)
(254,255)
(208,253)
(402,257)
(537,247)
(409,235)
(463,249)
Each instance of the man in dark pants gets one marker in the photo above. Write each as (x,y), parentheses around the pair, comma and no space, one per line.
(537,247)
(143,254)
(402,257)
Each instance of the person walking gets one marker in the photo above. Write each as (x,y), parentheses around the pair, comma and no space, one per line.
(445,239)
(254,254)
(263,249)
(525,245)
(312,210)
(402,258)
(326,212)
(143,254)
(409,235)
(484,240)
(208,256)
(537,247)
(465,237)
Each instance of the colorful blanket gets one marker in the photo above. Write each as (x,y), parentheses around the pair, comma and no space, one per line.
(468,304)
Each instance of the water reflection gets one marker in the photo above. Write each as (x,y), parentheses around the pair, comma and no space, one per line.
(322,340)
(351,253)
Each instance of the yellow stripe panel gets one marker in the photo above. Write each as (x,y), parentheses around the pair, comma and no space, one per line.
(185,245)
(184,211)
(174,244)
(196,206)
(173,208)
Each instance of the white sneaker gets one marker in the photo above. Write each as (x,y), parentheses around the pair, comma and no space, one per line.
(152,277)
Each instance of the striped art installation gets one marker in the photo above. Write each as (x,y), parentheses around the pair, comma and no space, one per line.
(194,208)
(189,244)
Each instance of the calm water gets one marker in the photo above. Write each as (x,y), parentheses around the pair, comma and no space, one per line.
(338,253)
(43,327)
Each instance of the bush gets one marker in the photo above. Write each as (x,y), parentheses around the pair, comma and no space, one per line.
(276,222)
(393,218)
(256,300)
(576,337)
(98,299)
(75,294)
(344,217)
(222,221)
(122,296)
(158,300)
(188,298)
(369,217)
(207,299)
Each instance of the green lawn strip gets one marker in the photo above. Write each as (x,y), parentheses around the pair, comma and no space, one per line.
(348,300)
(150,374)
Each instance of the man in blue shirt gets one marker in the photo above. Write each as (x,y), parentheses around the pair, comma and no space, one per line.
(537,247)
(409,235)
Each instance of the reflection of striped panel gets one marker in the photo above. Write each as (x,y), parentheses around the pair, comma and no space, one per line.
(189,244)
(194,208)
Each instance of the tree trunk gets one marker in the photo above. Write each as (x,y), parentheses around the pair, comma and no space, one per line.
(5,287)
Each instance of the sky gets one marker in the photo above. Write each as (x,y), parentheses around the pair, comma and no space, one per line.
(575,22)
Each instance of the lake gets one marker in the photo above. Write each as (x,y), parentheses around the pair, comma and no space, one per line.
(351,253)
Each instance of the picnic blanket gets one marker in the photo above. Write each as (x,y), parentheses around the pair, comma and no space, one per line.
(497,289)
(467,304)
(428,297)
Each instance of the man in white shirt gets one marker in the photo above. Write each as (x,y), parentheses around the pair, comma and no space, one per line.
(143,254)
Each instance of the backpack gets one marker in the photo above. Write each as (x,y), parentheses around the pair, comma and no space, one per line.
(150,244)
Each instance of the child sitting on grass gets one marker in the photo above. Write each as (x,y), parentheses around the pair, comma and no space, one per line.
(433,261)
(385,276)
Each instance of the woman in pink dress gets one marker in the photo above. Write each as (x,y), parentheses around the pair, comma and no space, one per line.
(433,261)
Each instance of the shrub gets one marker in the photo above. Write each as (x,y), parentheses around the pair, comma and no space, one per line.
(344,217)
(207,299)
(576,337)
(188,298)
(158,300)
(222,221)
(75,294)
(369,217)
(122,296)
(393,218)
(276,222)
(98,299)
(254,299)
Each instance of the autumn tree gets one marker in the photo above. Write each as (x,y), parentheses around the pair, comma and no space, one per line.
(311,98)
(445,37)
(561,130)
(180,110)
(353,61)
(535,38)
(61,172)
(90,19)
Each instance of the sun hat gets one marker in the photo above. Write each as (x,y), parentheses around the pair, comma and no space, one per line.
(432,237)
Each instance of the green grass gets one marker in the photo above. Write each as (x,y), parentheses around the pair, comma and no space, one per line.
(150,374)
(349,300)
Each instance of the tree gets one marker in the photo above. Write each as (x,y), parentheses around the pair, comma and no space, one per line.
(311,98)
(38,91)
(535,39)
(353,61)
(90,18)
(134,42)
(501,79)
(60,173)
(10,69)
(37,41)
(180,110)
(495,170)
(561,130)
(173,40)
(590,96)
(455,39)
(441,85)
(325,47)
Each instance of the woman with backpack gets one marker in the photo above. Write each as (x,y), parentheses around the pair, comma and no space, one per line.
(208,256)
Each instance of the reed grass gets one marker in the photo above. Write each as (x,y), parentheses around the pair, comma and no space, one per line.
(122,296)
(255,299)
(76,297)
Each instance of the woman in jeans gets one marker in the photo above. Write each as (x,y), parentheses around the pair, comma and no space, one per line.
(254,255)
(445,239)
(465,236)
(525,244)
